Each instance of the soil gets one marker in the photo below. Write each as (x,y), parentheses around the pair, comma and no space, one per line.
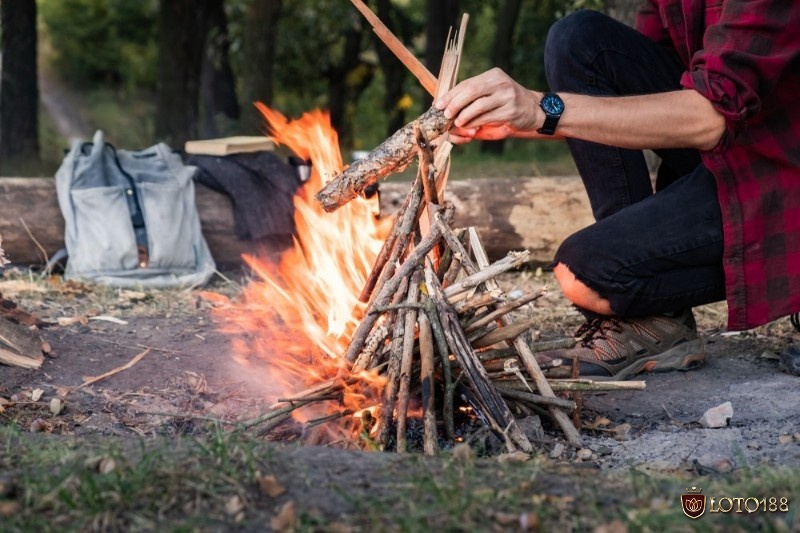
(190,370)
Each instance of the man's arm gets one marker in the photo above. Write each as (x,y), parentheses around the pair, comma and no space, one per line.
(493,106)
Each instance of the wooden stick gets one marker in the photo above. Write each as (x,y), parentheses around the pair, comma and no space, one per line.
(447,374)
(511,261)
(581,384)
(406,364)
(393,154)
(427,381)
(23,361)
(428,81)
(389,288)
(475,373)
(392,379)
(504,310)
(481,299)
(511,331)
(89,380)
(538,399)
(396,242)
(526,356)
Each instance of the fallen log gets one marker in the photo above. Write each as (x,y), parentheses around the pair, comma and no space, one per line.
(533,214)
(392,155)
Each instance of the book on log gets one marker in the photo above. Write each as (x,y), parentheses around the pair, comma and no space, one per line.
(229,145)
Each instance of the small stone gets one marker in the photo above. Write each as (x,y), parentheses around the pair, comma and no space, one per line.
(785,439)
(797,436)
(622,432)
(790,361)
(716,463)
(602,451)
(584,454)
(717,417)
(558,449)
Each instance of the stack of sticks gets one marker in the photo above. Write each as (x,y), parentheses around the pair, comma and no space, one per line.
(436,318)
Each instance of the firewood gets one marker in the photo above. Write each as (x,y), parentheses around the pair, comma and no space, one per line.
(526,356)
(538,399)
(394,154)
(582,384)
(511,331)
(396,350)
(426,378)
(406,363)
(504,310)
(496,408)
(388,289)
(509,262)
(19,346)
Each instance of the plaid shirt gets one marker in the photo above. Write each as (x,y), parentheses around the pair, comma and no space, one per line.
(744,56)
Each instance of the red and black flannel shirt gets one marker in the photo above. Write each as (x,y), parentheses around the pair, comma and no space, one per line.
(744,56)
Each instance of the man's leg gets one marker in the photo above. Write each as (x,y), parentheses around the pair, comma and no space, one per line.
(591,53)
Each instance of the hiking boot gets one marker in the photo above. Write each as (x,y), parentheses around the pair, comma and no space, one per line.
(613,348)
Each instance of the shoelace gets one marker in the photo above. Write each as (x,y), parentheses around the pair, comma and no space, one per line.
(597,329)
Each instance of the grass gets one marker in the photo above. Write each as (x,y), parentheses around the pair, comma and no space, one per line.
(212,483)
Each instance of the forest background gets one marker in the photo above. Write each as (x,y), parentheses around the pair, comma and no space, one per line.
(172,70)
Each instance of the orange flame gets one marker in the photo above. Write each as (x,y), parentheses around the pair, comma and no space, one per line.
(300,314)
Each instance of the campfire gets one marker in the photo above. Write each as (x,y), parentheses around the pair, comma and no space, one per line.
(367,322)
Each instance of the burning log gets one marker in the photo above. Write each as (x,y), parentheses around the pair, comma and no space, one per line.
(393,155)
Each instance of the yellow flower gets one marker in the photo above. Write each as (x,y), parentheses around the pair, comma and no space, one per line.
(405,102)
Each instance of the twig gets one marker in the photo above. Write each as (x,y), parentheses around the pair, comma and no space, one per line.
(504,310)
(406,363)
(427,381)
(37,243)
(538,399)
(512,260)
(447,374)
(511,331)
(90,380)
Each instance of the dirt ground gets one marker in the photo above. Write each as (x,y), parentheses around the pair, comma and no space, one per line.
(189,370)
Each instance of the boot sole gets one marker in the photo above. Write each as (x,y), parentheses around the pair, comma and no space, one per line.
(685,356)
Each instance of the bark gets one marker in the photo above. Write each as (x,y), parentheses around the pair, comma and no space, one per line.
(19,87)
(258,48)
(394,154)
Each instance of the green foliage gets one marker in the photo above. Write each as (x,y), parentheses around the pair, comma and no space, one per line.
(96,41)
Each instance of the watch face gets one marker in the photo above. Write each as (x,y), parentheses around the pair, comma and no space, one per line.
(552,104)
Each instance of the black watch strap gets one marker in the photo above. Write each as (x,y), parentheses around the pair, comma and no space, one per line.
(549,126)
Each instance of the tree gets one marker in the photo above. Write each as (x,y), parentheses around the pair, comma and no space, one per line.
(258,48)
(507,18)
(19,86)
(218,84)
(440,17)
(182,29)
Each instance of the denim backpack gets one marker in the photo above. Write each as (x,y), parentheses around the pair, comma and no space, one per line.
(130,217)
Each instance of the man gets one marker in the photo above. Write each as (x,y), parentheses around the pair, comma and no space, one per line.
(712,86)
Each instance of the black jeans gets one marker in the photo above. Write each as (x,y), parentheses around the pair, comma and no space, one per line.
(648,252)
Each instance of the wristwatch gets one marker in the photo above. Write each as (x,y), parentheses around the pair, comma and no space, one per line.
(553,107)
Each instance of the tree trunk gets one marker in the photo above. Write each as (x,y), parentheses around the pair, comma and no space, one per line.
(345,84)
(510,213)
(501,54)
(19,87)
(258,49)
(182,31)
(441,15)
(394,73)
(218,85)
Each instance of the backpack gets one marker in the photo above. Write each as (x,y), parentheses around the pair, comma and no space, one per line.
(130,217)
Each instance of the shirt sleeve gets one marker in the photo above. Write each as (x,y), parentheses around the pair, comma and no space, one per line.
(744,55)
(649,22)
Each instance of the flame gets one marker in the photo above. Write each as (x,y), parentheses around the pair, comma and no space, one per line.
(299,315)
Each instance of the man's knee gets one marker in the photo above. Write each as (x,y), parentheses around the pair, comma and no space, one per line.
(569,40)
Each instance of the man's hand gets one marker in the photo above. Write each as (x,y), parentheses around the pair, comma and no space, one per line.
(491,106)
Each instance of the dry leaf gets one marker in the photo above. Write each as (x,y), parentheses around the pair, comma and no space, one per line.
(270,486)
(513,457)
(107,318)
(286,519)
(214,298)
(132,296)
(40,426)
(234,506)
(56,406)
(9,508)
(463,454)
(599,422)
(65,321)
(36,394)
(4,401)
(106,465)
